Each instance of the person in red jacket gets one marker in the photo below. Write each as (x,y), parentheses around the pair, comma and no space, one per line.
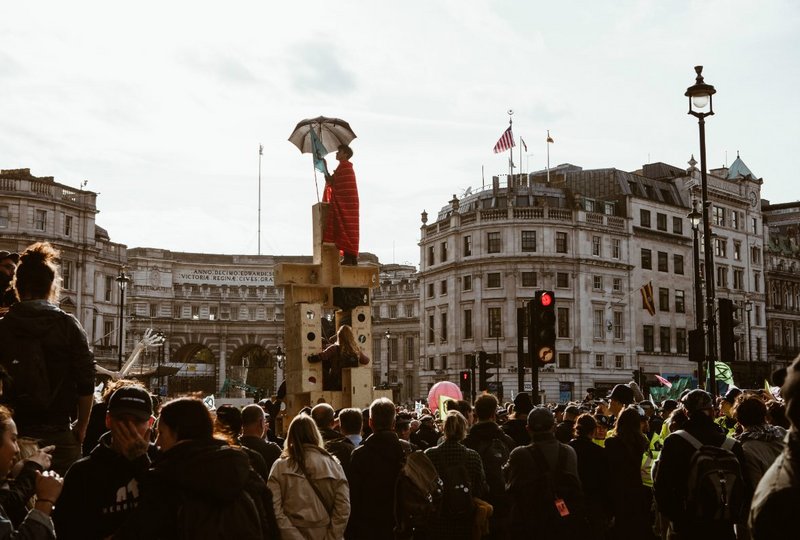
(341,192)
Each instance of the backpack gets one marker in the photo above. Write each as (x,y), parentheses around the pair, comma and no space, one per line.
(551,503)
(715,488)
(494,454)
(25,375)
(248,515)
(457,497)
(417,494)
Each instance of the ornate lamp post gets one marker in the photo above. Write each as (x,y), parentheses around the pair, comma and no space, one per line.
(701,105)
(122,281)
(388,336)
(695,218)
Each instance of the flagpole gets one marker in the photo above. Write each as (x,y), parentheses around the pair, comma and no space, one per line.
(510,154)
(547,142)
(260,153)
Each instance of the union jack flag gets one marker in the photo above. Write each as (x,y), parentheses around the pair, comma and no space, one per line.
(506,141)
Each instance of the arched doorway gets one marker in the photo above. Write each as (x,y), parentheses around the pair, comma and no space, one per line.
(260,364)
(197,370)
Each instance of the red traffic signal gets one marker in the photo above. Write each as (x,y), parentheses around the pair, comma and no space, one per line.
(546,299)
(465,380)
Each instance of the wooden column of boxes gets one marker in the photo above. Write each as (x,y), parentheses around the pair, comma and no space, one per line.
(308,288)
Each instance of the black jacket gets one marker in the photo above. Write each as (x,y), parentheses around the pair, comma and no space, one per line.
(206,468)
(517,429)
(777,496)
(671,482)
(69,362)
(564,431)
(99,493)
(268,450)
(479,437)
(373,470)
(594,473)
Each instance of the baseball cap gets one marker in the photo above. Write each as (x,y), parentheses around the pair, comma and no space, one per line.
(622,393)
(132,400)
(669,405)
(698,400)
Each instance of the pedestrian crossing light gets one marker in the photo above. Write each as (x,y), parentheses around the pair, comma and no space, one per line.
(543,327)
(465,381)
(727,323)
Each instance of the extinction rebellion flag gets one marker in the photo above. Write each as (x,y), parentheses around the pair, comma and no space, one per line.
(647,298)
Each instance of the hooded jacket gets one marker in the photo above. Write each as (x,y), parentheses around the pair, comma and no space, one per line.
(299,511)
(777,496)
(99,492)
(209,469)
(761,445)
(374,467)
(69,362)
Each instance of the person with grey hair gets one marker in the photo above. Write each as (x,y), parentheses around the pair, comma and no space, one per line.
(542,479)
(373,470)
(777,496)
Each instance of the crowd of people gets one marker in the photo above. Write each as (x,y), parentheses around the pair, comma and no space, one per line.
(605,467)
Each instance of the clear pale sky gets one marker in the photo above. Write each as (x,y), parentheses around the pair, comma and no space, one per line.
(161,106)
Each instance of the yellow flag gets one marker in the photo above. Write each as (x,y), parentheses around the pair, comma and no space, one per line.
(442,407)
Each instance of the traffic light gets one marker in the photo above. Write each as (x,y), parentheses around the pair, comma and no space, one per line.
(727,322)
(484,367)
(543,327)
(697,346)
(465,381)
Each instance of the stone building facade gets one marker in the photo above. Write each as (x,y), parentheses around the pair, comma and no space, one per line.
(34,209)
(595,238)
(782,266)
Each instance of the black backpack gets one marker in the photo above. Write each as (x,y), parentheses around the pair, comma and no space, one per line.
(715,490)
(248,515)
(457,498)
(418,494)
(27,384)
(494,454)
(551,502)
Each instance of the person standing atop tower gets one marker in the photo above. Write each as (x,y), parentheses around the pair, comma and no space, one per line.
(341,192)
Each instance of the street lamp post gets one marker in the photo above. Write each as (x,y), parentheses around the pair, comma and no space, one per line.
(388,336)
(122,281)
(695,219)
(748,307)
(701,98)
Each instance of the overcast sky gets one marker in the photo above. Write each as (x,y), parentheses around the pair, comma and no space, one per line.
(161,106)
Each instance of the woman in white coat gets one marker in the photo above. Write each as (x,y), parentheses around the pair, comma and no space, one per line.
(309,488)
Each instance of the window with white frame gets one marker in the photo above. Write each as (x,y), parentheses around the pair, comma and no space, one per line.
(597,283)
(529,279)
(40,220)
(528,241)
(617,284)
(619,361)
(596,246)
(599,360)
(618,329)
(615,248)
(599,324)
(66,275)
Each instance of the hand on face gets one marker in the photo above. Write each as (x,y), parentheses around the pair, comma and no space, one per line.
(129,440)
